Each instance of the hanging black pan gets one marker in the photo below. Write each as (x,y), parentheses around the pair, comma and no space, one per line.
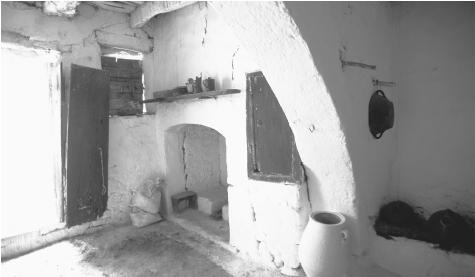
(381,114)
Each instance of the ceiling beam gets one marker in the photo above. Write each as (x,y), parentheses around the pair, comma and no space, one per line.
(146,11)
(116,6)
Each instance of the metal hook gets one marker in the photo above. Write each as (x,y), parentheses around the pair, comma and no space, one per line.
(104,189)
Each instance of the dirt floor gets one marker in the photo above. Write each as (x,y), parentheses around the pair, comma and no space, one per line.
(162,249)
(188,244)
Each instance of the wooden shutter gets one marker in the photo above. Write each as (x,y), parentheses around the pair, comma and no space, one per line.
(126,89)
(87,145)
(272,154)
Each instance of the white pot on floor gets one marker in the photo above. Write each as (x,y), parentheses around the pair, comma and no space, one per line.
(323,249)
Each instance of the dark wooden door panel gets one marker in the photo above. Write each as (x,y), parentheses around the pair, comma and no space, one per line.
(87,146)
(272,132)
(272,153)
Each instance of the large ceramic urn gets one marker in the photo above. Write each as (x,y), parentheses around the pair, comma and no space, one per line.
(323,249)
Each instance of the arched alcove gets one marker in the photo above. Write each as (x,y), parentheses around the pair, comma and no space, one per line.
(195,158)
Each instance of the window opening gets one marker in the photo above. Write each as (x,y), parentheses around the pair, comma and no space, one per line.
(124,68)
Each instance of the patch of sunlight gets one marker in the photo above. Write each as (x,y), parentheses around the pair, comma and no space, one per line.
(60,259)
(28,183)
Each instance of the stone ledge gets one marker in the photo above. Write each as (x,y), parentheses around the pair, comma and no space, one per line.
(404,257)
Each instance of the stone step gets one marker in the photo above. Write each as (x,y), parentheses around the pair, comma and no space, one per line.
(211,201)
(184,200)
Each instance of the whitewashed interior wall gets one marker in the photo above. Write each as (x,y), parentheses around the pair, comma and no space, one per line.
(362,31)
(427,159)
(265,218)
(434,68)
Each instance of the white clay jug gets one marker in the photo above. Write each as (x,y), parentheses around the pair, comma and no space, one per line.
(323,249)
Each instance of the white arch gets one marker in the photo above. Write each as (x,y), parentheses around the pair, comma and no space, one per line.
(270,35)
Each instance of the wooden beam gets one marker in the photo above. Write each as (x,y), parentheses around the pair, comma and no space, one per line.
(19,39)
(146,11)
(123,41)
(121,7)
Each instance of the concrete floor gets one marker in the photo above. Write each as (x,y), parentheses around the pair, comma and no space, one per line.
(162,249)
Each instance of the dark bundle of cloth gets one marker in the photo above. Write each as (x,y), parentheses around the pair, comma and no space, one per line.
(446,229)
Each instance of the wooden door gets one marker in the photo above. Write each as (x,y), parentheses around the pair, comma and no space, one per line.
(272,154)
(87,145)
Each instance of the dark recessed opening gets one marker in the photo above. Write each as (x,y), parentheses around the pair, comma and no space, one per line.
(326,218)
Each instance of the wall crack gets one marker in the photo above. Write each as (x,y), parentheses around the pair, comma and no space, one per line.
(184,161)
(305,179)
(205,31)
(232,63)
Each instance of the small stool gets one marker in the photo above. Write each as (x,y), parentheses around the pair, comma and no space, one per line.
(189,196)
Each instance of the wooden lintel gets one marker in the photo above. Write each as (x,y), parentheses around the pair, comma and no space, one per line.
(115,6)
(146,11)
(143,45)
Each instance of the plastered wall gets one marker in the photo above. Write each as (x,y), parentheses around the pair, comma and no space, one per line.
(435,68)
(427,50)
(265,218)
(132,146)
(133,159)
(195,158)
(427,159)
(348,171)
(202,158)
(362,32)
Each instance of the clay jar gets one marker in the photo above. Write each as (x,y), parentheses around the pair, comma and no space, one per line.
(323,249)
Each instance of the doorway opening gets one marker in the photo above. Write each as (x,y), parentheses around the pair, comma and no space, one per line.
(196,163)
(32,196)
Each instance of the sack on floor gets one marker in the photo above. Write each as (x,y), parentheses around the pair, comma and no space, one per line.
(142,218)
(147,198)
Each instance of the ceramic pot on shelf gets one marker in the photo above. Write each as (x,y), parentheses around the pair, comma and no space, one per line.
(323,249)
(208,84)
(190,85)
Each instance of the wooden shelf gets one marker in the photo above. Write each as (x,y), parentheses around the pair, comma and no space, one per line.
(201,95)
